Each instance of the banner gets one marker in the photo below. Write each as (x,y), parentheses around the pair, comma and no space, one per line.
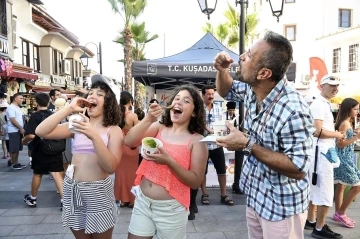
(212,178)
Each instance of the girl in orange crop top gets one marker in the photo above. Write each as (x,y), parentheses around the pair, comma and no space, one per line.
(164,180)
(89,204)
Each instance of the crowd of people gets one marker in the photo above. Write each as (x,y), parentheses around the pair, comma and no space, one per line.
(294,152)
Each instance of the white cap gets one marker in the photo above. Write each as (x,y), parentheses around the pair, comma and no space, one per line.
(331,80)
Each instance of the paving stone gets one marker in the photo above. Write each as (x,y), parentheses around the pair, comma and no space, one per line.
(18,212)
(217,226)
(47,211)
(206,235)
(20,220)
(237,235)
(41,229)
(56,219)
(49,236)
(2,211)
(6,230)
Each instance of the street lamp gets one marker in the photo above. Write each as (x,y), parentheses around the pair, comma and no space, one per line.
(208,9)
(276,13)
(85,59)
(207,6)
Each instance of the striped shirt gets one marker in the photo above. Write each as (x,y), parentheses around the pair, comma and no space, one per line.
(215,114)
(283,124)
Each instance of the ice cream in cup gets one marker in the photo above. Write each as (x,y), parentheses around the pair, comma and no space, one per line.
(73,117)
(150,145)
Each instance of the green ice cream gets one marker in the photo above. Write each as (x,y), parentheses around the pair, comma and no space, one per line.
(151,143)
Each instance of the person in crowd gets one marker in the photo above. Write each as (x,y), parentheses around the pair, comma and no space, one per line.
(3,122)
(125,172)
(54,94)
(140,114)
(41,163)
(59,104)
(6,134)
(347,174)
(322,194)
(230,111)
(89,207)
(278,142)
(216,152)
(15,130)
(164,179)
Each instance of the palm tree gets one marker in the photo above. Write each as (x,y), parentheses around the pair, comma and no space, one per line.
(228,32)
(140,38)
(129,10)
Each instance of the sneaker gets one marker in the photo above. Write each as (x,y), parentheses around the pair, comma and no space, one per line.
(9,163)
(61,206)
(18,166)
(309,225)
(29,201)
(51,177)
(325,233)
(30,160)
(4,157)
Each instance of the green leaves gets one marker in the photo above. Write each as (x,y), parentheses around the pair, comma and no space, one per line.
(228,31)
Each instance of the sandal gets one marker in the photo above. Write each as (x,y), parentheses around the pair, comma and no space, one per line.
(343,219)
(205,199)
(226,200)
(124,204)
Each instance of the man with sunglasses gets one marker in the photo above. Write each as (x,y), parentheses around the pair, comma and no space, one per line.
(322,194)
(278,145)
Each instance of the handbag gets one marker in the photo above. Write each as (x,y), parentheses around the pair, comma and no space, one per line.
(314,175)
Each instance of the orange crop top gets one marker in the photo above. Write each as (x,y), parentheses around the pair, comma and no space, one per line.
(163,176)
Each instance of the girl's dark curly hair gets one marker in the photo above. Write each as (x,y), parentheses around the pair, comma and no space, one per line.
(111,107)
(197,123)
(125,97)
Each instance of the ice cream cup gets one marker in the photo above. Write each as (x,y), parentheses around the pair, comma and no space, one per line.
(220,128)
(73,117)
(148,148)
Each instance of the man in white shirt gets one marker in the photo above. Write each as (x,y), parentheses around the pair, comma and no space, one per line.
(16,130)
(322,194)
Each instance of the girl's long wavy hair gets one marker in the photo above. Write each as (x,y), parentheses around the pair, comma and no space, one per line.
(125,98)
(197,123)
(344,111)
(111,107)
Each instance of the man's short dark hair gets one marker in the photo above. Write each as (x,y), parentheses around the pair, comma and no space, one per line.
(42,99)
(278,57)
(15,96)
(53,92)
(207,87)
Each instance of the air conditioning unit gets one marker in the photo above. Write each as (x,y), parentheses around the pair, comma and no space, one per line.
(65,67)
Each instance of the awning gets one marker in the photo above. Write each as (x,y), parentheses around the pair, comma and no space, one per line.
(19,74)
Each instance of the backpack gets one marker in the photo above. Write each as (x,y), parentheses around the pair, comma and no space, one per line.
(51,146)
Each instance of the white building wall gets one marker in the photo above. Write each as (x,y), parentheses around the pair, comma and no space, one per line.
(313,19)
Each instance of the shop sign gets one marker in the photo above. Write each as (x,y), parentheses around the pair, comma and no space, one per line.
(58,81)
(4,47)
(43,80)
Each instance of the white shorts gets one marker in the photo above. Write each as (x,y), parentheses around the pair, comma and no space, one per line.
(322,194)
(166,219)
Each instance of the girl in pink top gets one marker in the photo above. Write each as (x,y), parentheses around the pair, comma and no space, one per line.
(164,179)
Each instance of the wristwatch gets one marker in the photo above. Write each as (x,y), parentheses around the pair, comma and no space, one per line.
(248,148)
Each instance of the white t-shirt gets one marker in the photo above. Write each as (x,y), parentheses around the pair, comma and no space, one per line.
(14,111)
(320,109)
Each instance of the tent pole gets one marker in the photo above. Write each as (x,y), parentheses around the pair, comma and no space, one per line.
(239,156)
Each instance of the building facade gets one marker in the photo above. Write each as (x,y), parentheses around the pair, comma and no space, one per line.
(49,49)
(323,33)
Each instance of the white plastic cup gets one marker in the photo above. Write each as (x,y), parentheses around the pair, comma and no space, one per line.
(148,150)
(73,117)
(220,128)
